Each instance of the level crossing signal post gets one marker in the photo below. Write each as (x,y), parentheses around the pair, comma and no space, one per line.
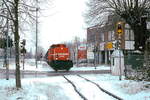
(119,32)
(23,50)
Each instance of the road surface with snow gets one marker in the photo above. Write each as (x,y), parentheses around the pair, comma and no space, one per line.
(57,88)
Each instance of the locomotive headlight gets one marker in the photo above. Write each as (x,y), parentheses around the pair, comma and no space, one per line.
(56,58)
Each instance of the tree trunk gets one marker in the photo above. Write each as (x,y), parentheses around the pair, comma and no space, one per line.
(140,35)
(16,38)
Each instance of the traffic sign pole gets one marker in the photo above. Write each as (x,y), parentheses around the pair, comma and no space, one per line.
(120,31)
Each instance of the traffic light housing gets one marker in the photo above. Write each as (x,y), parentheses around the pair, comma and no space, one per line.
(22,46)
(95,49)
(120,28)
(118,44)
(23,50)
(23,42)
(10,42)
(3,42)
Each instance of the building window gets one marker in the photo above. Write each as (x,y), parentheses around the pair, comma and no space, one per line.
(109,35)
(102,37)
(131,35)
(127,34)
(113,35)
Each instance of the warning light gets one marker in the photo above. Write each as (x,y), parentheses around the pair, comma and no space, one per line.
(119,28)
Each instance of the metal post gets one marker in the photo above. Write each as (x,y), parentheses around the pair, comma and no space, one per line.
(105,57)
(74,56)
(10,50)
(120,64)
(23,60)
(86,56)
(6,48)
(119,47)
(77,56)
(95,56)
(119,31)
(36,44)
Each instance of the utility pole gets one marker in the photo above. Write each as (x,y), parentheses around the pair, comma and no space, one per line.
(6,51)
(77,55)
(96,51)
(36,44)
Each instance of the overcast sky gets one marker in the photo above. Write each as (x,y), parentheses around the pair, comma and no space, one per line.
(65,21)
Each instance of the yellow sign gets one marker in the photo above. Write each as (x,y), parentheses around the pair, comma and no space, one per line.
(109,45)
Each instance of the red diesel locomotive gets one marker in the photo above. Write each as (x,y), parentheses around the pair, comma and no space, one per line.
(58,57)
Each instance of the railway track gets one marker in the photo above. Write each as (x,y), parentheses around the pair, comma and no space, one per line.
(107,92)
(100,88)
(26,73)
(78,72)
(75,88)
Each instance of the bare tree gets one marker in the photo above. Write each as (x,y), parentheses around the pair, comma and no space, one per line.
(132,11)
(20,13)
(9,10)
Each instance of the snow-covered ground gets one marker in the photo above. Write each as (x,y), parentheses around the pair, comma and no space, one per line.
(57,88)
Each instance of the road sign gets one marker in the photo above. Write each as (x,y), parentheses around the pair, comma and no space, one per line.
(109,45)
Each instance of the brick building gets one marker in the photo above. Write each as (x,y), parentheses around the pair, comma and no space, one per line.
(100,36)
